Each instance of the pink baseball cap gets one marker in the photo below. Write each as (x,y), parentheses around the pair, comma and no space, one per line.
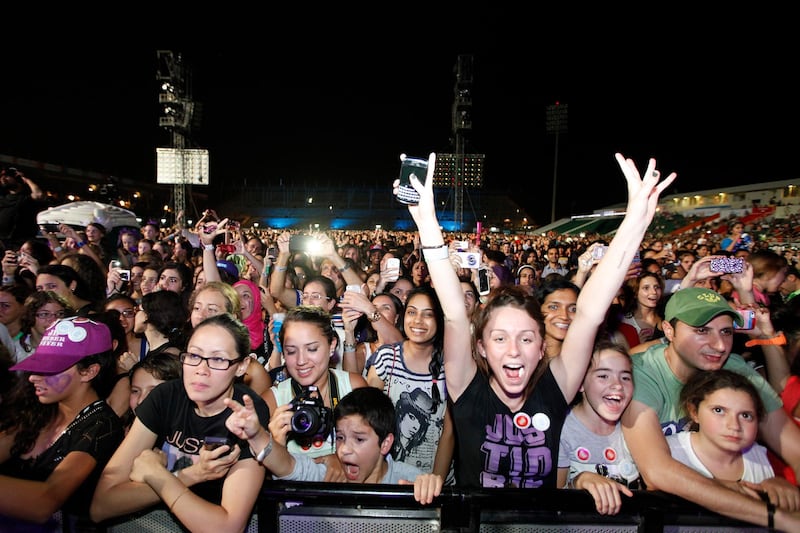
(65,343)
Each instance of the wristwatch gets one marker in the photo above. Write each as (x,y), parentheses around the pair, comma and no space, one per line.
(375,316)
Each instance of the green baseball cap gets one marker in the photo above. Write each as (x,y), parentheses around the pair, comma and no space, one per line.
(697,307)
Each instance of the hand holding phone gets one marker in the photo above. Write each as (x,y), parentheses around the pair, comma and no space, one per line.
(212,443)
(392,269)
(727,265)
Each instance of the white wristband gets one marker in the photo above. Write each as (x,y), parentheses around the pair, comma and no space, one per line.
(436,254)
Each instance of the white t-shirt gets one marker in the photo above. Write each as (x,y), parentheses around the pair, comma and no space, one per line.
(757,467)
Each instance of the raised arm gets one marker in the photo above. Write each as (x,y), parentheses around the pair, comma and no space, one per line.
(601,287)
(277,280)
(207,232)
(459,365)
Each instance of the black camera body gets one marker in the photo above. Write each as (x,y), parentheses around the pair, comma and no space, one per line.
(310,418)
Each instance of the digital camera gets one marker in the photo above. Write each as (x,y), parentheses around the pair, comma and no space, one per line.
(469,259)
(748,319)
(310,418)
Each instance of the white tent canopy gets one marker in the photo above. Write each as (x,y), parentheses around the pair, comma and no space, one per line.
(79,214)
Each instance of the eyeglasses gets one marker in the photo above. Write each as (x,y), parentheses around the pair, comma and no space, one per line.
(314,296)
(128,313)
(214,363)
(49,314)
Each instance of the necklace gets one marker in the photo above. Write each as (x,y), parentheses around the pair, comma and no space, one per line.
(87,411)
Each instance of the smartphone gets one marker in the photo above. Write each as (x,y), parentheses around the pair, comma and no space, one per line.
(353,288)
(406,194)
(469,259)
(599,252)
(483,281)
(212,443)
(727,265)
(393,263)
(748,319)
(303,243)
(125,275)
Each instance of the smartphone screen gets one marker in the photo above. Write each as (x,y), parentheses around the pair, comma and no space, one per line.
(303,243)
(483,281)
(406,194)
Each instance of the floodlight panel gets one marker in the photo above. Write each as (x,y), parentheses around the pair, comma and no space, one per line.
(181,166)
(466,170)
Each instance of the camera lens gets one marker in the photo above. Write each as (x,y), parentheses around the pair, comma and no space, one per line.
(304,422)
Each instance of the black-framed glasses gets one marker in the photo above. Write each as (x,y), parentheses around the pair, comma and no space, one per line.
(214,363)
(129,313)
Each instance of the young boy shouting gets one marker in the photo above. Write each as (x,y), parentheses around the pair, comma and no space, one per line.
(364,421)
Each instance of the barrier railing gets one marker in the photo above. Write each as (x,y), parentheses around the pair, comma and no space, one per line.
(331,507)
(305,507)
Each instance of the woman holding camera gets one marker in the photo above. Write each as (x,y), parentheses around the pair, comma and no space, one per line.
(309,342)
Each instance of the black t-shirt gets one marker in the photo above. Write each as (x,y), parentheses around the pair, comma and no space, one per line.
(98,431)
(498,448)
(170,414)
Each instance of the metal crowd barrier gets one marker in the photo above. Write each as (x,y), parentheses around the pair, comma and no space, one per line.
(297,507)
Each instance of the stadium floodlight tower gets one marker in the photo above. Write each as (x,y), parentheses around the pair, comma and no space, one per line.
(556,123)
(178,165)
(460,170)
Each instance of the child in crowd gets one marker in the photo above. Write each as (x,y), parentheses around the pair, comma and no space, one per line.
(592,453)
(365,425)
(146,375)
(725,409)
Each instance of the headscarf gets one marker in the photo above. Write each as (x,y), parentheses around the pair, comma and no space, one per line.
(503,274)
(254,322)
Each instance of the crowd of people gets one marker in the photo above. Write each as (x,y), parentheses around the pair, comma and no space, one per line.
(182,369)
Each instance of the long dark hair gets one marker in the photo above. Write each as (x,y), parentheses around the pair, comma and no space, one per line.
(166,312)
(22,413)
(437,357)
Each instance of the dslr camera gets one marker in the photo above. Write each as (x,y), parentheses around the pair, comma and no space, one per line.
(310,418)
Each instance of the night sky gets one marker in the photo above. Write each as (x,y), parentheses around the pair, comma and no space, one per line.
(719,108)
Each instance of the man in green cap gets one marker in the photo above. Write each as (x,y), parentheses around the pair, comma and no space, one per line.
(699,327)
